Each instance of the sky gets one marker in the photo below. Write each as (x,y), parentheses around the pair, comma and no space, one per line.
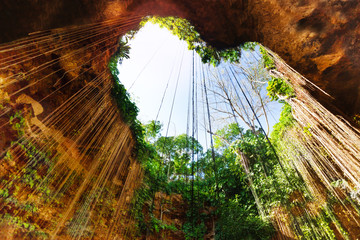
(153,66)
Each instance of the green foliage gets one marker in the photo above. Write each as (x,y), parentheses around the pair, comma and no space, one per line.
(35,155)
(311,227)
(267,59)
(120,95)
(152,130)
(4,193)
(179,27)
(338,183)
(32,230)
(167,160)
(121,53)
(307,130)
(269,180)
(8,156)
(40,161)
(127,108)
(249,46)
(29,207)
(30,178)
(176,154)
(213,56)
(227,135)
(330,218)
(279,88)
(185,31)
(236,220)
(157,225)
(18,123)
(318,227)
(238,214)
(286,121)
(154,181)
(166,170)
(141,198)
(169,170)
(194,231)
(356,118)
(20,212)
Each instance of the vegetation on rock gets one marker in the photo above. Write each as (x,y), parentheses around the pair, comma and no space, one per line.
(185,31)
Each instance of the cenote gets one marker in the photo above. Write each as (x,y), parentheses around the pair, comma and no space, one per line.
(179,120)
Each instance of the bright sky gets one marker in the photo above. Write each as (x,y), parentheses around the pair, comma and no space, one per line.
(155,58)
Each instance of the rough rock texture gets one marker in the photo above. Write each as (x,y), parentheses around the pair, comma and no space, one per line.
(171,210)
(56,108)
(320,39)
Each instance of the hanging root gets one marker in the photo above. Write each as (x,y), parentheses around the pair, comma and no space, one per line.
(325,150)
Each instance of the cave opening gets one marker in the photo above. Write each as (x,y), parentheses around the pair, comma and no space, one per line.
(157,58)
(181,153)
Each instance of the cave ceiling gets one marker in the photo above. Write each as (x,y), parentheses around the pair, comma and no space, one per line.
(320,39)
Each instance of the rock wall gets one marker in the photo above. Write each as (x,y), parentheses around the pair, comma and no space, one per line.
(317,38)
(320,39)
(66,153)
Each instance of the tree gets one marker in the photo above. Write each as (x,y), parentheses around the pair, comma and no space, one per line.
(242,203)
(232,99)
(152,130)
(176,153)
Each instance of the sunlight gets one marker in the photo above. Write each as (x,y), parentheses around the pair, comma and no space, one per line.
(154,53)
(154,64)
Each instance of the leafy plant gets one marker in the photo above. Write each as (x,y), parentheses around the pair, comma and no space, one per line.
(18,123)
(279,89)
(194,231)
(185,31)
(237,220)
(127,108)
(8,156)
(286,121)
(4,193)
(157,225)
(267,59)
